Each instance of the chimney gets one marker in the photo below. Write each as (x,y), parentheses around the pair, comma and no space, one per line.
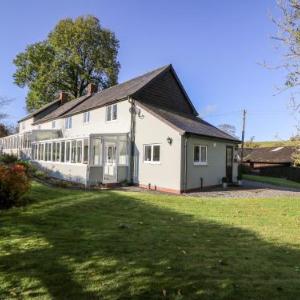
(63,97)
(92,89)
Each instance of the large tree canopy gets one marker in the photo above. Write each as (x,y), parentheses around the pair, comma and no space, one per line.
(76,53)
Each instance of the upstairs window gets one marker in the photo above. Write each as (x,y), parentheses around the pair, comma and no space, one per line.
(111,112)
(200,155)
(86,117)
(53,124)
(68,122)
(23,125)
(152,153)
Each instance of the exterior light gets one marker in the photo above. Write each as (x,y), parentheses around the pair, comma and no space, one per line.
(169,140)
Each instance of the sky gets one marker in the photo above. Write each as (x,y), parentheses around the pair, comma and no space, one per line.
(216,47)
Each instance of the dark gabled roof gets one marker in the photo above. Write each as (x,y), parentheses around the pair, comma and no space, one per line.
(270,154)
(160,92)
(63,109)
(186,123)
(131,88)
(36,112)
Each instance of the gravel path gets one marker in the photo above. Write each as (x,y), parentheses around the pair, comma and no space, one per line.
(250,189)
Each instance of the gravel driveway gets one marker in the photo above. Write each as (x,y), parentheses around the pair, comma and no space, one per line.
(250,189)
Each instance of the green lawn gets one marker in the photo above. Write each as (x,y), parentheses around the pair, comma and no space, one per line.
(122,245)
(273,180)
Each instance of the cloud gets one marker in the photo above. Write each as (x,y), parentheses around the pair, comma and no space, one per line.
(208,109)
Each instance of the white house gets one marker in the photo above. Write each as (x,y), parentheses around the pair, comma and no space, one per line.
(144,131)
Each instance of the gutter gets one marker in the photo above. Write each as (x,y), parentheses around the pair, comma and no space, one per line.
(185,163)
(132,138)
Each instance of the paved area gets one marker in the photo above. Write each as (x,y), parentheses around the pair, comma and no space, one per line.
(250,189)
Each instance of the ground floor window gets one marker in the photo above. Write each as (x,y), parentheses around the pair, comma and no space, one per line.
(200,155)
(152,153)
(61,151)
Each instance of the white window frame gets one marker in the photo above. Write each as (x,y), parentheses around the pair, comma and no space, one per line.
(111,107)
(200,163)
(152,153)
(53,124)
(86,117)
(68,123)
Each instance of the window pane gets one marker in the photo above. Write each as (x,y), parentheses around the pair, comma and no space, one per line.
(203,154)
(196,154)
(58,152)
(115,112)
(53,151)
(123,153)
(108,113)
(62,152)
(96,151)
(85,151)
(46,151)
(147,154)
(156,153)
(79,151)
(73,154)
(68,146)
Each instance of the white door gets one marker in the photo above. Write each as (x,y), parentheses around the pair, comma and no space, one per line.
(110,174)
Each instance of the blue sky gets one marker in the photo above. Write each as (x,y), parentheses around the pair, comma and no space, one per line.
(216,48)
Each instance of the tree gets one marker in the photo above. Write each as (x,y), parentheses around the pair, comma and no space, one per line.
(230,129)
(76,53)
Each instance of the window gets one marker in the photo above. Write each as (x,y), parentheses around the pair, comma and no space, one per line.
(96,152)
(57,152)
(79,151)
(53,151)
(152,153)
(200,155)
(156,153)
(62,152)
(68,122)
(111,112)
(114,112)
(23,125)
(123,153)
(53,124)
(68,149)
(86,117)
(73,151)
(85,151)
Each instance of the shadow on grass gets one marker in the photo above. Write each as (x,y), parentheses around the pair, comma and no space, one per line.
(82,252)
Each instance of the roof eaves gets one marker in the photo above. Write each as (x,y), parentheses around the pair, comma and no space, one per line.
(63,113)
(160,117)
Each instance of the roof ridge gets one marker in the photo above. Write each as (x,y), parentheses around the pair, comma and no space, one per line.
(135,78)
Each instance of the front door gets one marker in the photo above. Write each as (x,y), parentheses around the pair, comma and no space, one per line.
(110,168)
(229,162)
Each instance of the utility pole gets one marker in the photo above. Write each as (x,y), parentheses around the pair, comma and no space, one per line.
(243,134)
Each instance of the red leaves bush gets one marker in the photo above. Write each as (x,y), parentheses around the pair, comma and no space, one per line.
(14,184)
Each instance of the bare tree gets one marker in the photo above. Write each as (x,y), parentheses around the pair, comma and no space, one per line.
(3,102)
(288,36)
(230,129)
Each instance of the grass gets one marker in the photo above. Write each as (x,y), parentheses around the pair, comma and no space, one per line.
(273,180)
(126,245)
(270,144)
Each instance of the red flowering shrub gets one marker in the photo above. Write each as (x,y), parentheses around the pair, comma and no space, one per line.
(14,184)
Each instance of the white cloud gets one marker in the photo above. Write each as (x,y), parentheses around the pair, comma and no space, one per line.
(208,109)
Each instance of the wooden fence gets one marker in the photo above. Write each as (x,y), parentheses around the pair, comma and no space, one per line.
(291,173)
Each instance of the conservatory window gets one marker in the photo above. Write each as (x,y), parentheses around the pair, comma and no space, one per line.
(79,151)
(85,151)
(96,152)
(73,151)
(62,152)
(68,149)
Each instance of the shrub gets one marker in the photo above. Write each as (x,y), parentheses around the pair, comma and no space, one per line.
(14,184)
(8,159)
(30,170)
